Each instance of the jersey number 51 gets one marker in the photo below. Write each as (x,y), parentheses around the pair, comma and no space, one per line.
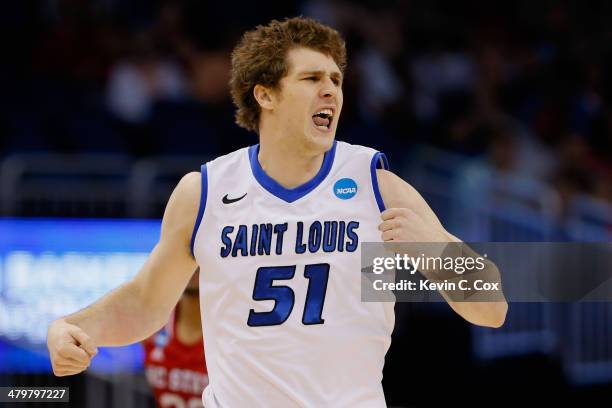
(283,296)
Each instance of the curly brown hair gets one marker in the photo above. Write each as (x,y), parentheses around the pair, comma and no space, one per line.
(260,58)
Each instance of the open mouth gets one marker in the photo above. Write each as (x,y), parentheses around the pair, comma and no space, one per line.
(323,119)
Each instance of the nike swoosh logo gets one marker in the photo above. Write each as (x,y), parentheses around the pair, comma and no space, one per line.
(227,200)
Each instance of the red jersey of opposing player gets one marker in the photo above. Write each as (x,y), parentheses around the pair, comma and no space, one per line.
(175,371)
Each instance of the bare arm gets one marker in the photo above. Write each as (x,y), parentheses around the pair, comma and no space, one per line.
(138,308)
(409,218)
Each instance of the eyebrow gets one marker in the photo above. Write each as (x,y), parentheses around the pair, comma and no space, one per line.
(334,74)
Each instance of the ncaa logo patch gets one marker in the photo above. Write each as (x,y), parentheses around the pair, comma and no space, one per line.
(345,188)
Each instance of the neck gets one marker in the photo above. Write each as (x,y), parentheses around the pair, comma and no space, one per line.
(289,165)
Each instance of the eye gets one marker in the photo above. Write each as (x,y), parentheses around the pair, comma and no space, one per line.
(312,78)
(336,81)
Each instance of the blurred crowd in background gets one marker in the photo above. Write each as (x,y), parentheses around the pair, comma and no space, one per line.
(520,87)
(459,95)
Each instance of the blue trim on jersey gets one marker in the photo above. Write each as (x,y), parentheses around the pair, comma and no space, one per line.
(203,196)
(379,161)
(290,195)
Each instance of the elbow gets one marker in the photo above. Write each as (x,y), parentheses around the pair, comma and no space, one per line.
(497,318)
(495,324)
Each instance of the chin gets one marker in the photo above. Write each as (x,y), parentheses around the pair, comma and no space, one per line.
(321,142)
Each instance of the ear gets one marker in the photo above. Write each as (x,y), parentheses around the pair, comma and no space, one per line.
(263,96)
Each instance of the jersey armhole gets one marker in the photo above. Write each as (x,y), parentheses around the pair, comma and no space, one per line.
(379,161)
(203,196)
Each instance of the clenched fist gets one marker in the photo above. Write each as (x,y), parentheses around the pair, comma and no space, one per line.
(406,232)
(70,348)
(405,225)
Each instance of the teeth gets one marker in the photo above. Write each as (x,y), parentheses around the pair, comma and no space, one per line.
(327,112)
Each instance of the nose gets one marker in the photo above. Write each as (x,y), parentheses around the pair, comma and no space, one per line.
(328,89)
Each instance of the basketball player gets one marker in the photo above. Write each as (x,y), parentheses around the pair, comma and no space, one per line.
(174,357)
(275,229)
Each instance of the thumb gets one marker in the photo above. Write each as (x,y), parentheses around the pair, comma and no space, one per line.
(85,342)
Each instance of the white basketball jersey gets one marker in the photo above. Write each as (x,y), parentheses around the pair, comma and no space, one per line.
(280,283)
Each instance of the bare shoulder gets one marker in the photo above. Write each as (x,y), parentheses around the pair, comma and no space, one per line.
(182,208)
(190,184)
(188,190)
(396,192)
